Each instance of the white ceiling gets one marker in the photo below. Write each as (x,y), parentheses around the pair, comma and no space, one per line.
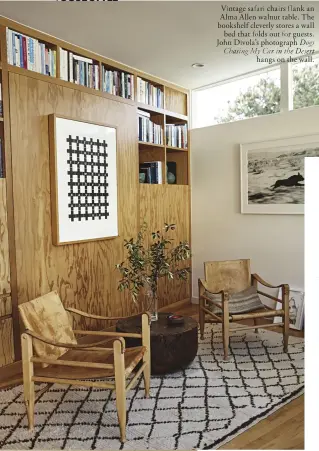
(161,38)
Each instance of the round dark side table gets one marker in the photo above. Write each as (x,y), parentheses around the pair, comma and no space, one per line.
(173,347)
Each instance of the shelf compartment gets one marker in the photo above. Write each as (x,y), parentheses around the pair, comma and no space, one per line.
(181,160)
(175,101)
(143,121)
(117,82)
(29,53)
(149,92)
(79,69)
(149,153)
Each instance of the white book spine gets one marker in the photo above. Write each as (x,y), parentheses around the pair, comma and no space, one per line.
(71,66)
(17,50)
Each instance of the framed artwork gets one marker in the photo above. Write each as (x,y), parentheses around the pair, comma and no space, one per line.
(296,309)
(272,174)
(83,169)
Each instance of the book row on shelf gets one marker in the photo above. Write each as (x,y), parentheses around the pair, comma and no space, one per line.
(2,170)
(79,70)
(148,131)
(118,83)
(28,53)
(151,172)
(149,94)
(176,135)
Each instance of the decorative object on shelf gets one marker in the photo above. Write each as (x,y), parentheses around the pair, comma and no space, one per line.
(171,172)
(175,320)
(142,177)
(272,174)
(171,178)
(296,309)
(146,264)
(83,180)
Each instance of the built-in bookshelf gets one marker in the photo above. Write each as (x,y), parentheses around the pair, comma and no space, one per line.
(162,108)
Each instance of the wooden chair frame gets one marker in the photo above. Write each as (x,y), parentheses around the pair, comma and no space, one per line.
(225,318)
(120,372)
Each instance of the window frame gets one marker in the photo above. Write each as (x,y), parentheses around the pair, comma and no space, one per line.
(286,85)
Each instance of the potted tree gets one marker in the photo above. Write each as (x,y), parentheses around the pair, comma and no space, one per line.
(147,263)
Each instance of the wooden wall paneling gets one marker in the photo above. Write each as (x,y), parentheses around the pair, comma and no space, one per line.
(175,101)
(84,274)
(6,341)
(9,194)
(5,305)
(4,247)
(171,204)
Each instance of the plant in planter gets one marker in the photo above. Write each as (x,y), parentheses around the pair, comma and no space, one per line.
(146,264)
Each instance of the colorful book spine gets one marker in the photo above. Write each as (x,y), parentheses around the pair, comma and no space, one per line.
(118,83)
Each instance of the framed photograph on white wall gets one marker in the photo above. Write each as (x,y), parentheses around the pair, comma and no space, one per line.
(296,309)
(272,174)
(83,170)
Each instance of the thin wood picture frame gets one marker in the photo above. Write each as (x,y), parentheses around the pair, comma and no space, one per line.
(83,179)
(272,174)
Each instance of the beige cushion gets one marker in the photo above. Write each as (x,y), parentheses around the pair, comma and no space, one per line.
(243,302)
(46,316)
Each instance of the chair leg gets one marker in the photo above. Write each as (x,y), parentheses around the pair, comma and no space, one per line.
(256,324)
(225,326)
(28,384)
(286,317)
(146,341)
(201,318)
(120,388)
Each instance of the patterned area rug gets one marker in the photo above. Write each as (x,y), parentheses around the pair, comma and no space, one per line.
(203,406)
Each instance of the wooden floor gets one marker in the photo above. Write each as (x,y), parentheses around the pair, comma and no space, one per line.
(283,429)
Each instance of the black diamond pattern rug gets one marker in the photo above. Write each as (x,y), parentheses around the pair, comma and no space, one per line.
(203,406)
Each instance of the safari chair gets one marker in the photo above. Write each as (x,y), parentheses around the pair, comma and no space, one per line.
(51,354)
(229,293)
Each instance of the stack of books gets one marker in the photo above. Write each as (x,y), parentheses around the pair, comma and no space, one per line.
(153,172)
(78,69)
(149,94)
(118,83)
(2,169)
(30,54)
(176,135)
(1,105)
(149,132)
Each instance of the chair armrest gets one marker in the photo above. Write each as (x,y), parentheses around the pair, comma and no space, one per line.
(64,345)
(266,284)
(99,317)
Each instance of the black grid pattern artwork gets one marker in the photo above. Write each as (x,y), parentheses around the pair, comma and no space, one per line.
(87,171)
(202,406)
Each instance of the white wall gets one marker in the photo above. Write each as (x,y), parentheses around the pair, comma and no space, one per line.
(274,243)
